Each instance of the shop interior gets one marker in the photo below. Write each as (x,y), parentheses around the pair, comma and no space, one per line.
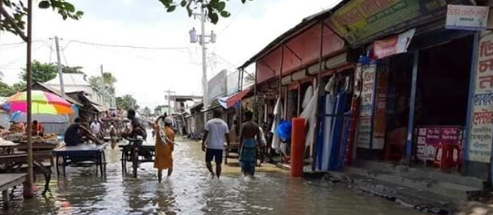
(441,98)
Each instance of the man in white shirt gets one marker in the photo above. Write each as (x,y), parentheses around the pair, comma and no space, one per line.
(216,133)
(95,127)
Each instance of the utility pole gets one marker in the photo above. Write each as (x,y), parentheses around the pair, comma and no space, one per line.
(103,90)
(169,92)
(59,64)
(204,60)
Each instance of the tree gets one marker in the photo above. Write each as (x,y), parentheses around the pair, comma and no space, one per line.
(249,78)
(109,82)
(6,90)
(126,102)
(41,72)
(17,9)
(214,8)
(159,108)
(146,111)
(72,69)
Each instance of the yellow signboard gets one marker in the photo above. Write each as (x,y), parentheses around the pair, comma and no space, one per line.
(361,21)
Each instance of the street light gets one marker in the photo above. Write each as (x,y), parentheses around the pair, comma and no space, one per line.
(202,39)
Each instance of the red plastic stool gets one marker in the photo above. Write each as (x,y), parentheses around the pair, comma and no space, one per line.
(446,160)
(393,151)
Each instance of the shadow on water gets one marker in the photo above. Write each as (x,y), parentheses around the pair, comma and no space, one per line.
(191,191)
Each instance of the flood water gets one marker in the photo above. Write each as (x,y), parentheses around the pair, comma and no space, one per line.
(190,190)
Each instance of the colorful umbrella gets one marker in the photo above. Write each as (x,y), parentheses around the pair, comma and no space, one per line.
(42,103)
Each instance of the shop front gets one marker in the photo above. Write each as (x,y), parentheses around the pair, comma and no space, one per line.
(416,83)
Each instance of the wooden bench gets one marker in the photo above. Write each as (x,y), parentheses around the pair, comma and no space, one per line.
(7,181)
(16,163)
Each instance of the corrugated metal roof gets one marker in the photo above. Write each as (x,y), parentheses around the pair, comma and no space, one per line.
(299,28)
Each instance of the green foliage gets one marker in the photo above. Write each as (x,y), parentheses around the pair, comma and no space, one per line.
(214,8)
(109,82)
(5,90)
(126,102)
(146,111)
(18,11)
(159,108)
(41,72)
(72,70)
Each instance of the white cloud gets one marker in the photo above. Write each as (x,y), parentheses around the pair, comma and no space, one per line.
(145,73)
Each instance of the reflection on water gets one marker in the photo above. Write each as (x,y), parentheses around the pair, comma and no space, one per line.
(191,191)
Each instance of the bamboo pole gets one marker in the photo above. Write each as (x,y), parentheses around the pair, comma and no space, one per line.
(29,191)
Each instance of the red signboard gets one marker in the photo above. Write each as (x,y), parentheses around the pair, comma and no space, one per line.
(429,138)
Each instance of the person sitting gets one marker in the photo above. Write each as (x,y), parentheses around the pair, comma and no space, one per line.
(37,129)
(75,134)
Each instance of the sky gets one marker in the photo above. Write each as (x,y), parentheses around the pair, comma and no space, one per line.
(146,74)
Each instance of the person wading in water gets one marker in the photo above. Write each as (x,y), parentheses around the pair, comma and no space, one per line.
(216,131)
(250,137)
(164,146)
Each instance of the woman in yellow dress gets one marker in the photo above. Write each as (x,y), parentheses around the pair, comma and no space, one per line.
(165,142)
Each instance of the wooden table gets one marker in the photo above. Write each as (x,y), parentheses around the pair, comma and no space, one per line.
(81,153)
(7,181)
(7,147)
(17,162)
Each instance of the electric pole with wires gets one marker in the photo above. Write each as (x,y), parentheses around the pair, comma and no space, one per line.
(60,69)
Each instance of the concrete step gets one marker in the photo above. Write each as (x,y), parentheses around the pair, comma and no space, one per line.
(449,190)
(423,201)
(422,172)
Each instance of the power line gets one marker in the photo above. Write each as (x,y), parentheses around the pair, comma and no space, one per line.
(126,46)
(19,43)
(232,20)
(64,58)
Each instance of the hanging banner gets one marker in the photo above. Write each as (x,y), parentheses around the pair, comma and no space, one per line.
(464,17)
(361,21)
(379,121)
(394,45)
(366,109)
(481,121)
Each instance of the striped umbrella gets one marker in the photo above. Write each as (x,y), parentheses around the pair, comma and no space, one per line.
(42,103)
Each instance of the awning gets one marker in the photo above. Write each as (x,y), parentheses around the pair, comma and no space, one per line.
(231,101)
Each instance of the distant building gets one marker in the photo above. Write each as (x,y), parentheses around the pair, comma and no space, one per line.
(79,82)
(183,102)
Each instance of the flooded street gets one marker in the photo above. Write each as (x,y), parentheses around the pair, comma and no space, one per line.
(191,191)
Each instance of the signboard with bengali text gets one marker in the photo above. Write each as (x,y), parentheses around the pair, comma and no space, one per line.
(361,21)
(428,138)
(364,134)
(464,17)
(481,118)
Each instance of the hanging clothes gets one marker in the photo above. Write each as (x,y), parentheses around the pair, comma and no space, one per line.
(309,113)
(278,113)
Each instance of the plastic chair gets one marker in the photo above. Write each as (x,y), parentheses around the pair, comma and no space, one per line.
(393,150)
(446,160)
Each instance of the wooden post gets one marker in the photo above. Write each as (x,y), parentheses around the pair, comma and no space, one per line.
(317,93)
(29,185)
(255,97)
(280,82)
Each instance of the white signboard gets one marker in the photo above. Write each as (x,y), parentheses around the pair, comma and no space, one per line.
(216,87)
(233,83)
(366,109)
(463,17)
(481,120)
